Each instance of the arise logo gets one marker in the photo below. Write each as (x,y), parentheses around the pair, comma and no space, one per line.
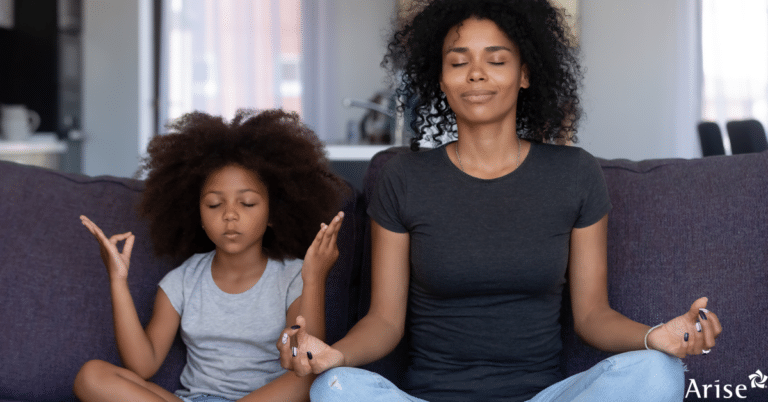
(725,391)
(758,379)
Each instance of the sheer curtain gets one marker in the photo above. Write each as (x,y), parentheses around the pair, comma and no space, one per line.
(220,55)
(735,61)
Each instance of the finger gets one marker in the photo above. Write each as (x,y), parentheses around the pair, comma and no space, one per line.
(318,238)
(336,227)
(119,237)
(707,332)
(128,247)
(329,238)
(95,231)
(284,346)
(693,313)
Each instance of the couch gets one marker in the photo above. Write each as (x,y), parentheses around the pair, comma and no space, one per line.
(679,229)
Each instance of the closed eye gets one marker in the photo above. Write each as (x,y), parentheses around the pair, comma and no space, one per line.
(496,63)
(214,206)
(248,205)
(458,64)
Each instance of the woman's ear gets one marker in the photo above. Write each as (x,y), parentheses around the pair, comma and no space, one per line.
(524,83)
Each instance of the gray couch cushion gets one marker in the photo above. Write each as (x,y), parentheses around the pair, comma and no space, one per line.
(683,229)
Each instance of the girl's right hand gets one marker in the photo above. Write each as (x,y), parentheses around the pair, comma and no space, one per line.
(312,355)
(323,252)
(117,263)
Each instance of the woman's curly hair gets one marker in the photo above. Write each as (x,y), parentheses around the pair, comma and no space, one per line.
(546,112)
(285,155)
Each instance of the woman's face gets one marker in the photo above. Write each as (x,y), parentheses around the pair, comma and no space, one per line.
(482,73)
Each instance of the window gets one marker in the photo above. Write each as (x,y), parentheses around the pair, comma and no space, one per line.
(735,60)
(220,55)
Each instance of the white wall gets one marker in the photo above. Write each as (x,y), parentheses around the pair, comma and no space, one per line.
(349,45)
(116,87)
(641,87)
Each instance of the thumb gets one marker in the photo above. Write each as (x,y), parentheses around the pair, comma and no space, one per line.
(300,321)
(700,303)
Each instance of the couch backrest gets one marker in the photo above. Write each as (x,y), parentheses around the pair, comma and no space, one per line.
(55,305)
(679,229)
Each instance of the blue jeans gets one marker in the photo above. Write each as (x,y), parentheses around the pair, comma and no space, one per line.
(642,375)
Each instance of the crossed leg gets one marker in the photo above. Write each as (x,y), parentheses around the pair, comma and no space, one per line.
(102,381)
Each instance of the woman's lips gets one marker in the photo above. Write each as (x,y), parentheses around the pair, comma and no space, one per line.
(478,96)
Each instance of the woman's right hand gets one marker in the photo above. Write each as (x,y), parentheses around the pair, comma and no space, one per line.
(117,262)
(311,354)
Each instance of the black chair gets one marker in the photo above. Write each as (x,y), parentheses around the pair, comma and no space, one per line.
(747,136)
(711,139)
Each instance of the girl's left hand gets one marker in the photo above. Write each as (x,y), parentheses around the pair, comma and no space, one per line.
(323,251)
(692,333)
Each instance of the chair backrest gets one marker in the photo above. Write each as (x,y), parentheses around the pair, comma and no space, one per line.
(746,136)
(711,139)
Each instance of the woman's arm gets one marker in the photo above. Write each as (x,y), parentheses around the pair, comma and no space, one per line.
(379,332)
(606,329)
(142,351)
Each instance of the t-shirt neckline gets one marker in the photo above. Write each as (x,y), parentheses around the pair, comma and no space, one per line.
(220,292)
(467,176)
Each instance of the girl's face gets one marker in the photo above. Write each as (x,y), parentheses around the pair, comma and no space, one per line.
(482,73)
(234,208)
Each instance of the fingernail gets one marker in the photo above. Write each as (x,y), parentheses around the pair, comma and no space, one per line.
(294,351)
(341,214)
(685,337)
(296,327)
(704,310)
(285,339)
(701,313)
(309,354)
(698,326)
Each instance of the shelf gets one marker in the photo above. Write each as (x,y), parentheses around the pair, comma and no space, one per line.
(360,153)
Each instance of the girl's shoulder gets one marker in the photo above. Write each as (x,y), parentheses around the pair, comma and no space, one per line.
(193,266)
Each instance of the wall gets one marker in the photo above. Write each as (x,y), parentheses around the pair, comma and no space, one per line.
(349,43)
(116,87)
(641,86)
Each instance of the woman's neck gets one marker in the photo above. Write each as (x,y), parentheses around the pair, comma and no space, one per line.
(488,150)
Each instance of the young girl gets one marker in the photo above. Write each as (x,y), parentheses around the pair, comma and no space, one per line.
(241,202)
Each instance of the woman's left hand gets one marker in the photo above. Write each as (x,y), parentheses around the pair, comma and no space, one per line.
(692,333)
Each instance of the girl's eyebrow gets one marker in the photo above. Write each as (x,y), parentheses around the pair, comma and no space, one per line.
(489,49)
(239,191)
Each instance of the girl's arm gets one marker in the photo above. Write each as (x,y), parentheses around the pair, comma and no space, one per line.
(141,351)
(320,257)
(606,329)
(376,334)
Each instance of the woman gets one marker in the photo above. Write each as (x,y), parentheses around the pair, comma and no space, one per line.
(473,241)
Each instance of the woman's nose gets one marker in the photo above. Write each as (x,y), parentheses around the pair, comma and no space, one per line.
(476,73)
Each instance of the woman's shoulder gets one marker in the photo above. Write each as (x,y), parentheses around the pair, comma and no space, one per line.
(564,156)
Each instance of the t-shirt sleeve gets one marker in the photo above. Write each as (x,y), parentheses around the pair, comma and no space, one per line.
(592,192)
(295,283)
(174,288)
(389,196)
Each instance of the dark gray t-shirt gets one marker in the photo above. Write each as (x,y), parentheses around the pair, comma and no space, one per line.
(488,261)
